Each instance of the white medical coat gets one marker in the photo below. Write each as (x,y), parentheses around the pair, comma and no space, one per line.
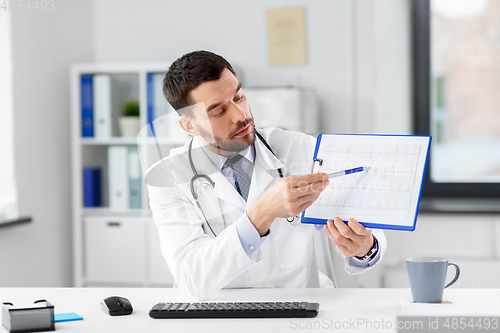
(203,264)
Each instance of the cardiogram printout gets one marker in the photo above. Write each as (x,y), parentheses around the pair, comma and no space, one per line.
(386,196)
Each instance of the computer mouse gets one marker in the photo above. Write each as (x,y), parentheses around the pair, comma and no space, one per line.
(116,306)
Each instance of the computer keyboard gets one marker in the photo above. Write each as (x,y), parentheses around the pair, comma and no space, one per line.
(235,310)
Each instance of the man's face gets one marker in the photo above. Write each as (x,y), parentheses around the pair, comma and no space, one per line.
(225,122)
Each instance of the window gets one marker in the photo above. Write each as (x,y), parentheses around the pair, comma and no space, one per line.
(456,82)
(8,196)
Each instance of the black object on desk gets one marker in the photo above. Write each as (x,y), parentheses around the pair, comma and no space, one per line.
(35,317)
(235,310)
(116,306)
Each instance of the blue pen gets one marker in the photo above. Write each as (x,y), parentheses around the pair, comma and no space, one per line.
(347,172)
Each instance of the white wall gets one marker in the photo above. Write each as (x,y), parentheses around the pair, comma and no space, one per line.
(43,44)
(382,70)
(358,62)
(164,30)
(8,192)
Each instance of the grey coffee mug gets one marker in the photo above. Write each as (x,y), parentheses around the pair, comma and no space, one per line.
(427,278)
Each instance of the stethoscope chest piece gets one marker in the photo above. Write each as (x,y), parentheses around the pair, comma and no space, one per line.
(293,220)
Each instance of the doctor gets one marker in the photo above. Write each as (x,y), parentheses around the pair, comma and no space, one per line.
(222,200)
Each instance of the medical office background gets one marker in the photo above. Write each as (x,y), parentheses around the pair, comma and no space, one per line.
(358,63)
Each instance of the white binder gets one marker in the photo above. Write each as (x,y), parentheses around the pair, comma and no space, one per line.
(118,177)
(134,173)
(102,106)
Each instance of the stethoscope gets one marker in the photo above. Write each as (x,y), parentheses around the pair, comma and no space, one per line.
(198,176)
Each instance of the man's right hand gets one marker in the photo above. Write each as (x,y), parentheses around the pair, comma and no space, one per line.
(287,197)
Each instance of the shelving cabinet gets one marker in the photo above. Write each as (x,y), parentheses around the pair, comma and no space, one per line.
(117,246)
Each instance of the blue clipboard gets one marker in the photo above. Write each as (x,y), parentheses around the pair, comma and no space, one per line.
(424,142)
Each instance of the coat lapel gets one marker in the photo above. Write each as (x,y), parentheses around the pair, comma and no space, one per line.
(264,172)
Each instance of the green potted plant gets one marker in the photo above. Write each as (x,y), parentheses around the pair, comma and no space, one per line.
(129,121)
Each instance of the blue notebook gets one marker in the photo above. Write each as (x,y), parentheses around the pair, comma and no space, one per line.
(387,195)
(71,316)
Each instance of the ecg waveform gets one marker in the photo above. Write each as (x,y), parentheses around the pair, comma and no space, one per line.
(359,151)
(365,204)
(387,186)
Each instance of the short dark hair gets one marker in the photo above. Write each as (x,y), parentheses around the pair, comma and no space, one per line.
(188,72)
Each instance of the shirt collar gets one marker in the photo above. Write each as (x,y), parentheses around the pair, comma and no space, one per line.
(219,160)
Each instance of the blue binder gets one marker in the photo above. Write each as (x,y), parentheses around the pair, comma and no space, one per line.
(87,101)
(91,187)
(151,101)
(348,204)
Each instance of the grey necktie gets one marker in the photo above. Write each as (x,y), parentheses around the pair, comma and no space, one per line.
(242,181)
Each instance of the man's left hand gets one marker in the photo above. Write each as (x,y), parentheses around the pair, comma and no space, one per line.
(352,239)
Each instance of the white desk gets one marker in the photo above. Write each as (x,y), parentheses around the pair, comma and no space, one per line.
(335,304)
